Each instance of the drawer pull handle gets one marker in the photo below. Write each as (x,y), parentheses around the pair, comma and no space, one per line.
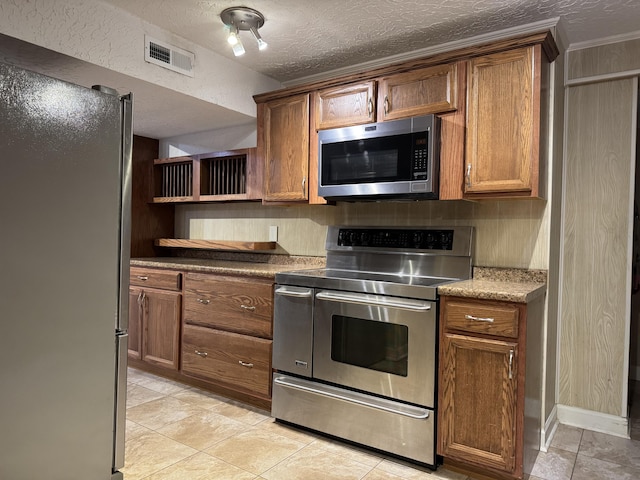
(245,307)
(510,364)
(144,278)
(244,364)
(479,319)
(203,301)
(202,354)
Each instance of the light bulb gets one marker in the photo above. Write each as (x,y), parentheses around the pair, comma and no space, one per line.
(233,35)
(238,48)
(261,43)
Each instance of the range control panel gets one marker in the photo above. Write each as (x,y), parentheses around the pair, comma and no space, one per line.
(418,239)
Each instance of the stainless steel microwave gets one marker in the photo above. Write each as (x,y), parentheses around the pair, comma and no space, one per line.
(398,159)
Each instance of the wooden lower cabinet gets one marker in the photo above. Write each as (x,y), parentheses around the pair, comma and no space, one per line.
(154,326)
(489,376)
(155,303)
(238,361)
(227,332)
(479,392)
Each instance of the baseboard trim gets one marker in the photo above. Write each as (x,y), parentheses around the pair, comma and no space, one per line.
(550,427)
(595,421)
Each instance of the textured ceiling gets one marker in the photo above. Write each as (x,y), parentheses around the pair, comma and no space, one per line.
(308,37)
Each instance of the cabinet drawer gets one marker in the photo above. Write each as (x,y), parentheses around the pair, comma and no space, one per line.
(237,304)
(236,360)
(491,318)
(155,278)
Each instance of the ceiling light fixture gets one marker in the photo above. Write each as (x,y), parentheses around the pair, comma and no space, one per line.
(242,18)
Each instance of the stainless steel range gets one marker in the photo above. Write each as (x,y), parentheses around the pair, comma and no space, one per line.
(355,343)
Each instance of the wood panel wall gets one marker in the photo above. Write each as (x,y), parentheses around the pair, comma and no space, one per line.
(597,217)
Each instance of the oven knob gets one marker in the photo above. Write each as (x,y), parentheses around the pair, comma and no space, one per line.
(445,241)
(417,239)
(352,238)
(365,238)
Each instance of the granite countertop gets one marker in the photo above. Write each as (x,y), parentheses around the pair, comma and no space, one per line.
(504,284)
(230,267)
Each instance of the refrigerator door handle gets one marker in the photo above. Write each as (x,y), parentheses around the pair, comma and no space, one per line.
(126,152)
(122,341)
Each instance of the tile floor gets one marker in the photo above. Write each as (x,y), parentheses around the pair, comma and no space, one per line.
(177,432)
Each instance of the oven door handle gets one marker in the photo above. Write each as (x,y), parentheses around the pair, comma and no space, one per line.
(353,397)
(298,292)
(376,301)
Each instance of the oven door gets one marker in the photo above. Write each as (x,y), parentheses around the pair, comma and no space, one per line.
(378,344)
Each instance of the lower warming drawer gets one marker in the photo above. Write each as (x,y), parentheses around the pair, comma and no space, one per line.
(386,425)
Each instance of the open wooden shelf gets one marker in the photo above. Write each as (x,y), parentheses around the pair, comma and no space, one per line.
(215,244)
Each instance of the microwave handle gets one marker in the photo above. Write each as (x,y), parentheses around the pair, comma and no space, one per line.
(415,305)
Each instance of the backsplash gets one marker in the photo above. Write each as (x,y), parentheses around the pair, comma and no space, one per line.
(509,233)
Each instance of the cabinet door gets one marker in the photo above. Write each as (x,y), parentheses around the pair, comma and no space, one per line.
(345,106)
(478,401)
(285,148)
(161,328)
(135,322)
(418,92)
(503,123)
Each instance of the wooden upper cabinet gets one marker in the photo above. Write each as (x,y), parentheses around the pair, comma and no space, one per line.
(503,124)
(345,105)
(418,92)
(284,146)
(401,95)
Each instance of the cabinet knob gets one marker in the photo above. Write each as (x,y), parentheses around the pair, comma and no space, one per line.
(468,175)
(203,301)
(202,354)
(250,308)
(370,106)
(386,104)
(144,278)
(244,364)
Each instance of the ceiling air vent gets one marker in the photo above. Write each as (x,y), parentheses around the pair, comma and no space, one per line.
(168,56)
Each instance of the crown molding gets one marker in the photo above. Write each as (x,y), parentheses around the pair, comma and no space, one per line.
(549,24)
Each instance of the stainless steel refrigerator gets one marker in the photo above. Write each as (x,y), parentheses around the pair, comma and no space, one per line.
(65,163)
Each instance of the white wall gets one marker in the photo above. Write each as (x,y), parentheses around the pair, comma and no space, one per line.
(109,37)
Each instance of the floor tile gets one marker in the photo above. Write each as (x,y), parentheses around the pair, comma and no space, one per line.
(133,430)
(255,450)
(285,430)
(242,413)
(618,450)
(313,462)
(201,467)
(410,471)
(555,464)
(588,468)
(163,411)
(162,385)
(567,438)
(150,452)
(202,431)
(200,398)
(137,395)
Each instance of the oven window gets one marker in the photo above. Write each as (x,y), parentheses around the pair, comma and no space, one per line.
(369,344)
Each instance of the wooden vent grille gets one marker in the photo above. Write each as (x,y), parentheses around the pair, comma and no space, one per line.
(228,175)
(177,180)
